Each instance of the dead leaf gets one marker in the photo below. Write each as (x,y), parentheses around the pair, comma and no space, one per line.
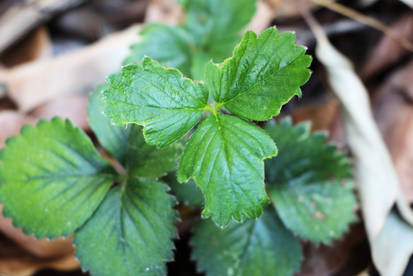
(69,107)
(375,175)
(35,83)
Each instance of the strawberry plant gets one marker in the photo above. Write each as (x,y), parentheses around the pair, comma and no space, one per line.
(151,120)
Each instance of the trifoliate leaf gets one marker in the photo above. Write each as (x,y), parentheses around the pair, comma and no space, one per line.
(127,145)
(131,232)
(187,193)
(168,45)
(264,73)
(162,100)
(254,248)
(215,25)
(308,183)
(52,178)
(225,158)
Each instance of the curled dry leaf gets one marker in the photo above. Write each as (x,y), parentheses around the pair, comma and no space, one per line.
(32,84)
(375,175)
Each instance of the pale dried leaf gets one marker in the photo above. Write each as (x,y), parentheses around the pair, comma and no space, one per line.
(35,83)
(375,175)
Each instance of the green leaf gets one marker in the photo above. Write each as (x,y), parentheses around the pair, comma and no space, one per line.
(167,44)
(225,158)
(162,100)
(308,183)
(254,248)
(215,25)
(52,178)
(187,193)
(127,145)
(264,73)
(131,232)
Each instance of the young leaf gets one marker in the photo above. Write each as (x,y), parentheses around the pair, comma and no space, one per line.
(215,25)
(307,183)
(131,232)
(161,99)
(256,247)
(225,158)
(264,73)
(168,45)
(52,178)
(127,145)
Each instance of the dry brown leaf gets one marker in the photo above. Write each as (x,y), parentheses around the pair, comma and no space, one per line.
(387,51)
(32,84)
(11,123)
(72,107)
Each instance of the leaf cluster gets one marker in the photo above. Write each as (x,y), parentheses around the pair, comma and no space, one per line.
(225,152)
